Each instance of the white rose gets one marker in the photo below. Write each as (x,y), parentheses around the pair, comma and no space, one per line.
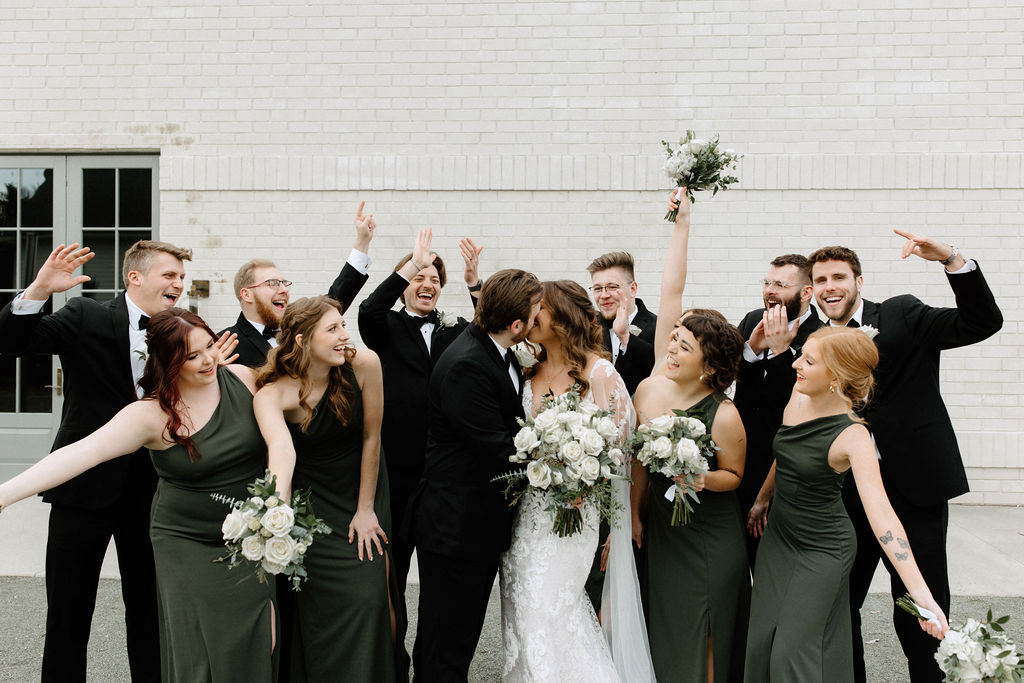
(235,525)
(590,469)
(662,423)
(538,474)
(570,419)
(686,451)
(588,408)
(526,439)
(301,547)
(661,448)
(606,472)
(518,456)
(686,163)
(555,436)
(252,547)
(524,356)
(279,520)
(273,501)
(572,452)
(616,456)
(546,420)
(607,428)
(257,501)
(272,567)
(572,474)
(592,442)
(694,426)
(643,429)
(696,145)
(730,152)
(280,550)
(254,523)
(556,478)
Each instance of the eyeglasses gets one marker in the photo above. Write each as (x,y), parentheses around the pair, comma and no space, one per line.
(611,289)
(777,284)
(273,283)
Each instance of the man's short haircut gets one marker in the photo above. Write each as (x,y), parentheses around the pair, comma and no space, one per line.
(507,296)
(614,259)
(244,276)
(836,254)
(437,263)
(798,260)
(140,255)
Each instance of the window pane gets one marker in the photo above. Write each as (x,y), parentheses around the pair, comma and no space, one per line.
(126,238)
(36,245)
(37,197)
(136,199)
(7,374)
(98,197)
(36,373)
(8,256)
(8,197)
(102,268)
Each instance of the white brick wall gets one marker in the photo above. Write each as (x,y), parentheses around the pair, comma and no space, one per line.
(534,127)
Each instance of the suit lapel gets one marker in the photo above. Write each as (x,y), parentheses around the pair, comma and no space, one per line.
(246,330)
(870,316)
(119,330)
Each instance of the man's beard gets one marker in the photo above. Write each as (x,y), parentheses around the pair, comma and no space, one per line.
(270,316)
(792,307)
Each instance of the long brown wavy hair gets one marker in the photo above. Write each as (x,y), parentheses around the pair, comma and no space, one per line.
(292,359)
(167,339)
(575,322)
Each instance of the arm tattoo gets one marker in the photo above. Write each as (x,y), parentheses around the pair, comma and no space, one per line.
(902,556)
(903,543)
(887,539)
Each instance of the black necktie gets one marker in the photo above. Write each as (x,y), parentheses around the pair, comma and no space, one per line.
(143,321)
(270,332)
(853,323)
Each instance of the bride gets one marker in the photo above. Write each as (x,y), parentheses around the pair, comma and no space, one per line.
(549,628)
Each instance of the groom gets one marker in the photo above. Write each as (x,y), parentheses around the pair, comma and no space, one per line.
(460,520)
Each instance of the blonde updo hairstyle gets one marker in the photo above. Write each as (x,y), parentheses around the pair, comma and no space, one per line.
(851,356)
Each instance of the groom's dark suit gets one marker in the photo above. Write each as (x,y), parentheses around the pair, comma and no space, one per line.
(460,519)
(920,460)
(111,499)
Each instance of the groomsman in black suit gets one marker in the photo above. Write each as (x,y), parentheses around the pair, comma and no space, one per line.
(775,335)
(919,459)
(102,350)
(409,342)
(262,293)
(461,520)
(628,325)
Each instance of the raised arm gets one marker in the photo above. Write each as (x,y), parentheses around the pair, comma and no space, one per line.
(269,404)
(471,256)
(673,278)
(354,273)
(365,529)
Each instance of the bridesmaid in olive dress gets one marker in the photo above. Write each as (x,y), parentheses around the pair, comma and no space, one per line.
(197,420)
(319,406)
(800,610)
(698,586)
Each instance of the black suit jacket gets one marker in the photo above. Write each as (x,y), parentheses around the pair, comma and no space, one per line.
(253,347)
(762,391)
(636,364)
(457,511)
(395,336)
(907,416)
(93,344)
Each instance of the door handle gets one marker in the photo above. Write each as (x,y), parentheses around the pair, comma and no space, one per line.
(59,386)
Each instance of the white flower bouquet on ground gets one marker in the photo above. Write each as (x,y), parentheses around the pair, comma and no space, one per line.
(977,651)
(572,452)
(269,533)
(698,164)
(677,446)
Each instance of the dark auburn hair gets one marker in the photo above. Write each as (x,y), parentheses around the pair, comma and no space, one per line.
(798,260)
(721,344)
(614,259)
(437,263)
(851,356)
(835,254)
(291,357)
(167,340)
(574,320)
(507,296)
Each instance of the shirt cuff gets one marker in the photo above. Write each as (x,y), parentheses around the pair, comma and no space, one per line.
(748,353)
(360,261)
(22,306)
(968,266)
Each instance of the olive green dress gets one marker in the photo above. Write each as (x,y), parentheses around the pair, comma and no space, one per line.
(342,623)
(215,627)
(697,579)
(800,610)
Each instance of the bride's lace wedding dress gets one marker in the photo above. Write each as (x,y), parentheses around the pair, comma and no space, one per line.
(549,628)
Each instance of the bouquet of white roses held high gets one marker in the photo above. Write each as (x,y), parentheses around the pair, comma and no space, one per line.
(675,446)
(699,165)
(265,531)
(977,651)
(572,451)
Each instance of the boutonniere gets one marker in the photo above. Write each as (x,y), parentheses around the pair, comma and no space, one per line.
(524,355)
(872,332)
(141,353)
(446,319)
(634,330)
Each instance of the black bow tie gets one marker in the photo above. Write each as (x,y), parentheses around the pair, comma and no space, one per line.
(853,323)
(143,321)
(423,320)
(270,332)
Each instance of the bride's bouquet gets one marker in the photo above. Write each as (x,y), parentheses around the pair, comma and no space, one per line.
(675,446)
(571,450)
(977,651)
(269,533)
(699,165)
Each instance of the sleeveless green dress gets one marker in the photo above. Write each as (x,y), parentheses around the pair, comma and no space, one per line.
(697,579)
(800,611)
(342,620)
(215,623)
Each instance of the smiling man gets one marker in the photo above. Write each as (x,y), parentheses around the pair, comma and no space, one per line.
(102,349)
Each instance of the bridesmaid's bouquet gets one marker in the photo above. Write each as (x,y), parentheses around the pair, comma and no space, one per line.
(571,450)
(675,446)
(269,533)
(699,165)
(977,651)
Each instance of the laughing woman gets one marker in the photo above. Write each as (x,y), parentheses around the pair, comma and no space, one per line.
(319,406)
(196,419)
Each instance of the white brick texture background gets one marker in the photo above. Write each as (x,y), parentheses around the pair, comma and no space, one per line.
(534,128)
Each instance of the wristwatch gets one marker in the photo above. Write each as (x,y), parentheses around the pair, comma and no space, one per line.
(952,255)
(477,287)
